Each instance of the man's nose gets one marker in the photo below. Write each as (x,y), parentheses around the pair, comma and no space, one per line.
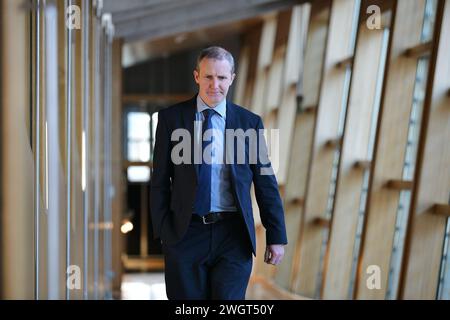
(214,83)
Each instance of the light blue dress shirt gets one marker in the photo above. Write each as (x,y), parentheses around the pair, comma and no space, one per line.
(221,193)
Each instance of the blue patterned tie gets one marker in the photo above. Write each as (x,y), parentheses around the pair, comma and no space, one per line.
(202,203)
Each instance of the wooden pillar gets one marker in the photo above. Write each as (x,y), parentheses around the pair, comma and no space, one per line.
(424,246)
(367,69)
(17,245)
(329,111)
(388,160)
(117,165)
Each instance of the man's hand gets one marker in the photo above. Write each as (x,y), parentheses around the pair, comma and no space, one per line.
(274,254)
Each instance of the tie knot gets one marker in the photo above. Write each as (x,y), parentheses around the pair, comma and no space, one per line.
(207,113)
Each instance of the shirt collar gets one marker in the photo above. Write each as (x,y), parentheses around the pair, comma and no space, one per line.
(221,108)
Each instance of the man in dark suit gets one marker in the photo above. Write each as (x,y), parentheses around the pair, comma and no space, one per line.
(208,151)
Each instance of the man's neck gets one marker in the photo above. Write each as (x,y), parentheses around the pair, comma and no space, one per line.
(211,105)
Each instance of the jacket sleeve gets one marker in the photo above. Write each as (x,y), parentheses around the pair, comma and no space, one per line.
(267,194)
(160,182)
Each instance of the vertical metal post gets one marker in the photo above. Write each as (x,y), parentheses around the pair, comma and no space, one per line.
(37,150)
(68,142)
(107,191)
(85,138)
(97,88)
(54,163)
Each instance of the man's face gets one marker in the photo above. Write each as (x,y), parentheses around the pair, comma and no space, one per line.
(214,78)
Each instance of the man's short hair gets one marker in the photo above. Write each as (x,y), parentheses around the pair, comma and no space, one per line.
(217,53)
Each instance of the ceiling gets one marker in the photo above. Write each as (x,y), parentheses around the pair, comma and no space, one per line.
(151,28)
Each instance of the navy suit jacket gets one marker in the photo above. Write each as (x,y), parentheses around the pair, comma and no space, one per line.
(173,186)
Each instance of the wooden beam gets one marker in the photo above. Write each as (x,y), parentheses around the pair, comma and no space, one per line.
(334,143)
(265,56)
(326,128)
(211,14)
(274,111)
(308,109)
(398,184)
(321,221)
(297,201)
(17,255)
(362,164)
(282,190)
(419,50)
(441,209)
(367,64)
(345,63)
(423,254)
(377,239)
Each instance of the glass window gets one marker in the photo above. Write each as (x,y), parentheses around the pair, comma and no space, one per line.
(370,150)
(138,136)
(408,174)
(444,276)
(154,124)
(138,173)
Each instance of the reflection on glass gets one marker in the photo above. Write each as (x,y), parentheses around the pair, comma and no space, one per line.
(138,136)
(154,125)
(428,21)
(408,174)
(444,275)
(138,173)
(337,152)
(370,150)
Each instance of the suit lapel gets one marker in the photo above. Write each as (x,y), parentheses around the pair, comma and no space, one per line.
(231,123)
(188,120)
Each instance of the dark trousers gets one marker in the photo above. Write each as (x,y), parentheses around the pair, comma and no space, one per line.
(212,261)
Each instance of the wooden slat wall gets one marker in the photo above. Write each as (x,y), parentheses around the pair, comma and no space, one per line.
(302,136)
(266,47)
(305,172)
(355,148)
(271,95)
(242,75)
(275,70)
(17,245)
(382,203)
(274,83)
(261,267)
(427,230)
(291,74)
(338,48)
(252,39)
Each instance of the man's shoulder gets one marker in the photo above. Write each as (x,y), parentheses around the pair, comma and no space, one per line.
(177,107)
(244,112)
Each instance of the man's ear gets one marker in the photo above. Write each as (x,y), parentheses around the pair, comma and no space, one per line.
(232,78)
(196,76)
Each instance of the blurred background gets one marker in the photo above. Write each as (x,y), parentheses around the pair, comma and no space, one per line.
(359,89)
